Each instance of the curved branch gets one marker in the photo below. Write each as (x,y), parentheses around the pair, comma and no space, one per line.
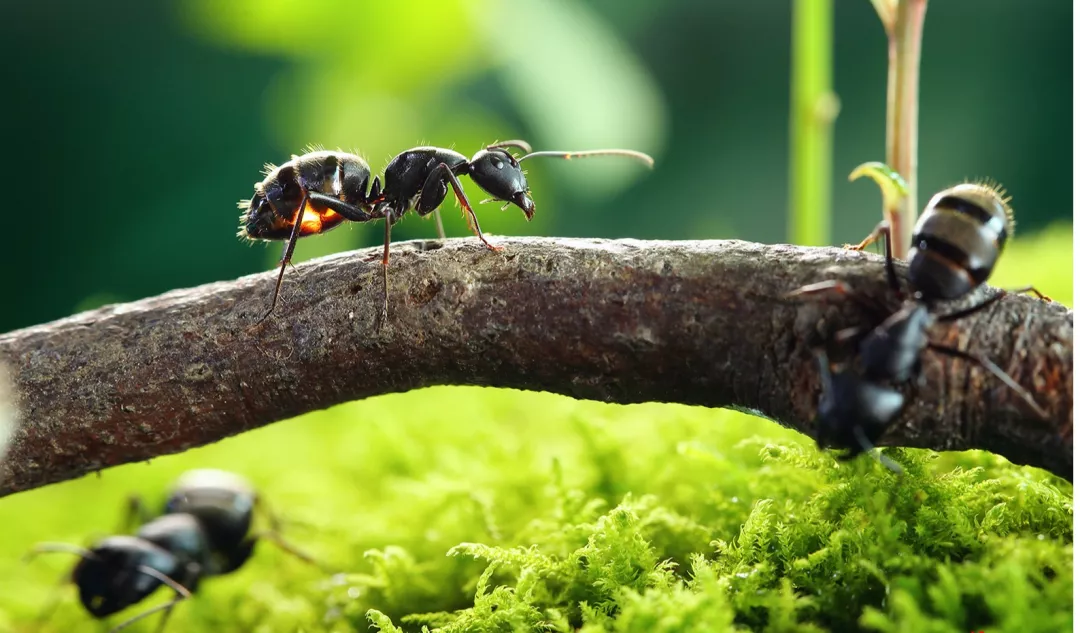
(701,323)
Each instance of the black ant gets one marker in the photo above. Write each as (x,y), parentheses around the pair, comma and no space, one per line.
(204,530)
(316,192)
(954,247)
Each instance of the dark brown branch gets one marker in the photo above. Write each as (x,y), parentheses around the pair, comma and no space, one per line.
(626,321)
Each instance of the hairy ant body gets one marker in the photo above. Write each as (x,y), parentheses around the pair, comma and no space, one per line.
(205,529)
(316,192)
(955,244)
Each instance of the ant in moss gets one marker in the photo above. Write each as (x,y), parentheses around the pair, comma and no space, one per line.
(204,530)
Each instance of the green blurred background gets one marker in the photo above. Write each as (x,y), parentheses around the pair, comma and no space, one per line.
(133,127)
(138,125)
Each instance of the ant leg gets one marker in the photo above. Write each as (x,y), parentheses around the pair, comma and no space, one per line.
(991,367)
(868,447)
(137,514)
(439,225)
(164,619)
(823,366)
(388,221)
(287,547)
(440,175)
(835,288)
(273,534)
(989,302)
(181,594)
(881,230)
(432,194)
(350,212)
(286,256)
(848,333)
(831,286)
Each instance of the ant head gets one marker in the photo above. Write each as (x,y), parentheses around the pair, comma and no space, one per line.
(499,174)
(113,575)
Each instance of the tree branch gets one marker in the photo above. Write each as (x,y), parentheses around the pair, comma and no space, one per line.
(701,323)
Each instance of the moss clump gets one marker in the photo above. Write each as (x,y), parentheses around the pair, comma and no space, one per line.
(464,509)
(926,552)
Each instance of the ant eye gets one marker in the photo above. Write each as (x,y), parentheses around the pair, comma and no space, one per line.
(498,164)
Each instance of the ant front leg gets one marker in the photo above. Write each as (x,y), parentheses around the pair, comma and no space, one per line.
(992,367)
(832,289)
(434,191)
(875,235)
(832,286)
(881,230)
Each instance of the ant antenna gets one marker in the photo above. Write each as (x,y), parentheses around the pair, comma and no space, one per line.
(66,548)
(516,144)
(181,591)
(641,156)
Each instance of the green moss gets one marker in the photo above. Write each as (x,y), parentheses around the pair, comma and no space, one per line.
(465,509)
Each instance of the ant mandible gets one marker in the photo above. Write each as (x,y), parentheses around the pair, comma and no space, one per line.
(204,529)
(955,245)
(318,191)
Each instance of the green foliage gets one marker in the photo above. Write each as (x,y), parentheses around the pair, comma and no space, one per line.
(456,509)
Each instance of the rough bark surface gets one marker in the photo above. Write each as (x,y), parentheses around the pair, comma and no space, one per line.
(703,323)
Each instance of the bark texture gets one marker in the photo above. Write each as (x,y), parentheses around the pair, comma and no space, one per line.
(702,322)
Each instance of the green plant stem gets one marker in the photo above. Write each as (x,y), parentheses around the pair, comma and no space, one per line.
(902,116)
(813,110)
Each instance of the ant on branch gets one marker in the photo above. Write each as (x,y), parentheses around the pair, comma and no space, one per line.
(204,530)
(955,245)
(320,190)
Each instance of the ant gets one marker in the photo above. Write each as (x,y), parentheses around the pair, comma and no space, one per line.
(955,245)
(204,530)
(318,191)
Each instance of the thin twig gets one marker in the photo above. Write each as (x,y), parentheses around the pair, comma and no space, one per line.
(904,32)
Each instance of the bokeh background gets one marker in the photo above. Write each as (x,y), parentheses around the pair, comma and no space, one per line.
(133,127)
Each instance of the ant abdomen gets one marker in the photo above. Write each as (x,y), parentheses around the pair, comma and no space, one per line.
(330,176)
(957,240)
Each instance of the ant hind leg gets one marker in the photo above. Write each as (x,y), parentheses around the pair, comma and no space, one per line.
(989,365)
(286,257)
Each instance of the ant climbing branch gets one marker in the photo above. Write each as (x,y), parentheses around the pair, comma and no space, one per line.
(702,323)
